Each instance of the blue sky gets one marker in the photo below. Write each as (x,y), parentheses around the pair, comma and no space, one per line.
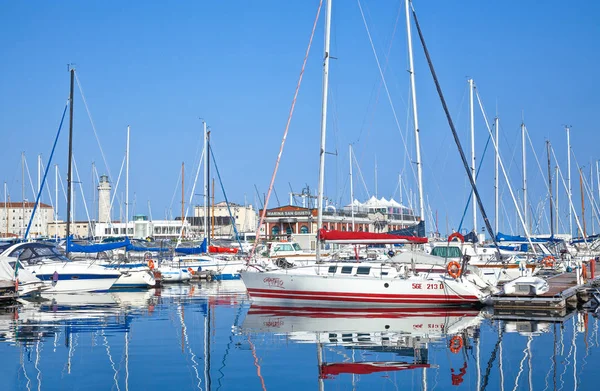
(159,67)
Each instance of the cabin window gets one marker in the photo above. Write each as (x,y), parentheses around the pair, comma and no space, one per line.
(363,270)
(346,269)
(332,269)
(446,252)
(304,229)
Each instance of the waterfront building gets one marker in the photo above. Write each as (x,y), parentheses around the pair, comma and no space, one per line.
(14,217)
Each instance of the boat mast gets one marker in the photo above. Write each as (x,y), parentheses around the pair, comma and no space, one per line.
(472,121)
(182,195)
(22,225)
(556,203)
(205,179)
(127,186)
(351,189)
(323,127)
(39,186)
(550,190)
(6,207)
(496,177)
(413,89)
(56,202)
(208,178)
(570,190)
(582,202)
(69,164)
(524,160)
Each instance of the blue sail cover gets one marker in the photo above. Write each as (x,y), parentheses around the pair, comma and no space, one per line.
(590,238)
(500,237)
(131,247)
(414,230)
(193,250)
(95,248)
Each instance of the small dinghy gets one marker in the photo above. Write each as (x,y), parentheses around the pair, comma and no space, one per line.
(526,286)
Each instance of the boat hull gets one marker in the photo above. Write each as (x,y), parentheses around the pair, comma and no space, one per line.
(357,292)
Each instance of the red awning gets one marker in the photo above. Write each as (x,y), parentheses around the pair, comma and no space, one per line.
(353,237)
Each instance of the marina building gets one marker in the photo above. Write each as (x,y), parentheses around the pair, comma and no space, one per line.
(221,222)
(375,215)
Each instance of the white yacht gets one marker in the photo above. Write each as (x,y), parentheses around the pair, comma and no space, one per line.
(58,273)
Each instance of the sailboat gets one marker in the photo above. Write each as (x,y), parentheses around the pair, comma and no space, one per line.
(369,284)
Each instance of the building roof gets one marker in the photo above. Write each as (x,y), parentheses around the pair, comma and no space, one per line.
(20,204)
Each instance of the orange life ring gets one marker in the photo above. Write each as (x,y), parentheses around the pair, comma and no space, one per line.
(454,269)
(151,264)
(456,343)
(191,270)
(456,235)
(548,261)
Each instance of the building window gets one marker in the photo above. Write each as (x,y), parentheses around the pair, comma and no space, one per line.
(289,230)
(275,230)
(304,229)
(343,228)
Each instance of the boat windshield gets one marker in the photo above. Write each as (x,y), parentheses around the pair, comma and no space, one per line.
(446,252)
(296,247)
(34,254)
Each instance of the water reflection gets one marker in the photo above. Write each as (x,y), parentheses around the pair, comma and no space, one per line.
(207,336)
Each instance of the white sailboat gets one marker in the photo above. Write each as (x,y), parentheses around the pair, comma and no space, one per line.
(380,284)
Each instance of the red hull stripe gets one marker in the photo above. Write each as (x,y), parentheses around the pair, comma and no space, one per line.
(438,299)
(312,294)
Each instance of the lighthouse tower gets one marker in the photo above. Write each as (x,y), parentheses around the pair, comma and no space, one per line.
(104,199)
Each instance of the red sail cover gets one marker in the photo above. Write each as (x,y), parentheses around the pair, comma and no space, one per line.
(364,368)
(222,250)
(354,237)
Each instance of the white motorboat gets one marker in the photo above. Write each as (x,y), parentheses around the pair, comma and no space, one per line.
(220,268)
(58,273)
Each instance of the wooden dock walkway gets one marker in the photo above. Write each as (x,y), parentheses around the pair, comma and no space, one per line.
(562,294)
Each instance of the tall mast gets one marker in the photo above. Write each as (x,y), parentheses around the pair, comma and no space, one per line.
(413,89)
(56,202)
(570,192)
(556,199)
(472,121)
(550,190)
(69,164)
(323,127)
(208,177)
(496,177)
(39,186)
(524,160)
(351,189)
(582,202)
(182,195)
(205,179)
(22,225)
(6,207)
(127,186)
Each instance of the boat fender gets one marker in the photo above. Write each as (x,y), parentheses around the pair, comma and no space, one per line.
(454,269)
(548,261)
(456,343)
(151,264)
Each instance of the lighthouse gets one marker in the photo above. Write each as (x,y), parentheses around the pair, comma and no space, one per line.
(104,200)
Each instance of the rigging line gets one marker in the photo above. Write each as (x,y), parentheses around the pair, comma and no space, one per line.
(361,176)
(176,187)
(82,194)
(285,133)
(386,89)
(476,177)
(570,203)
(62,185)
(192,193)
(455,135)
(549,192)
(226,200)
(45,175)
(92,122)
(587,188)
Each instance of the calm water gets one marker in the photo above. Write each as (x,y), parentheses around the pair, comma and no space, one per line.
(207,336)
